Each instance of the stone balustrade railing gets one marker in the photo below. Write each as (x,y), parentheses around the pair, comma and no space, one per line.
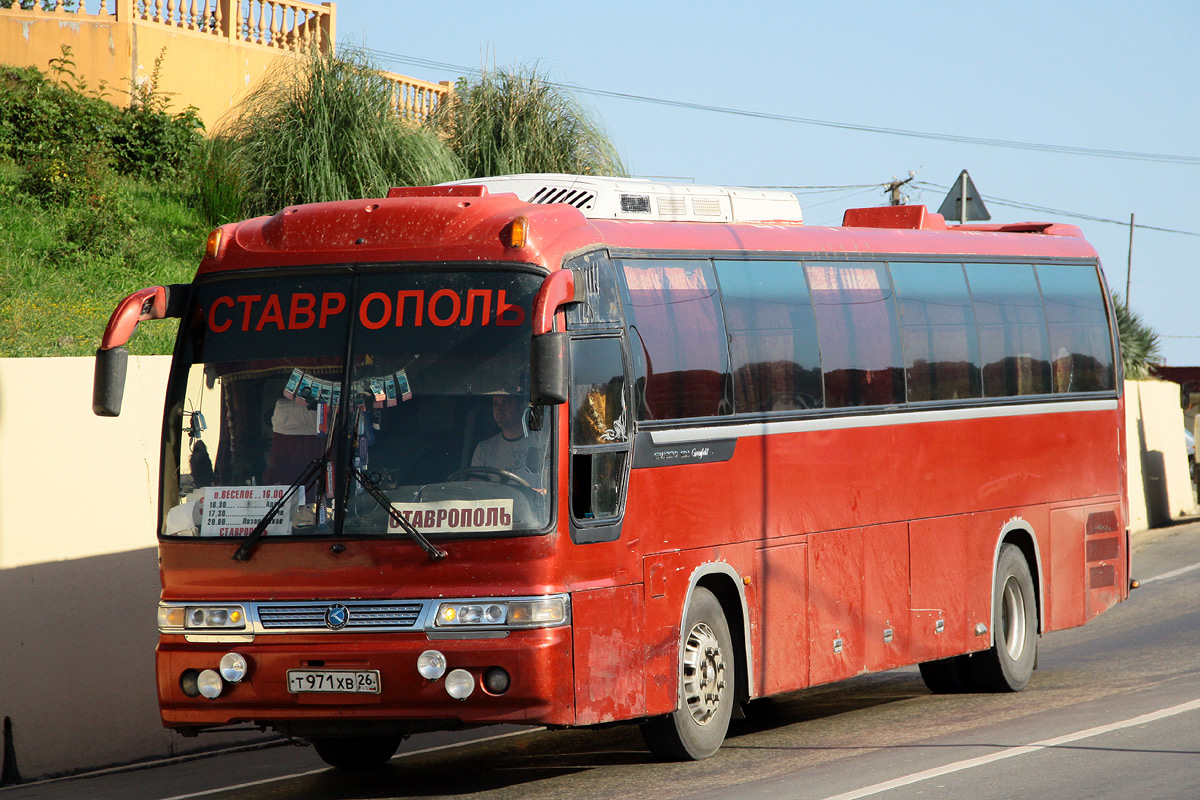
(290,25)
(414,100)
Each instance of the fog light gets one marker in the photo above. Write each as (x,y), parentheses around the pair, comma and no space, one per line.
(187,683)
(233,667)
(460,684)
(209,683)
(496,680)
(431,664)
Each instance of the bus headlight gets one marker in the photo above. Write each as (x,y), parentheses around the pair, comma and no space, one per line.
(524,612)
(472,614)
(222,617)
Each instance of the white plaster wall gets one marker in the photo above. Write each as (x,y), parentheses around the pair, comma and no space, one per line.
(79,568)
(1138,520)
(74,485)
(1158,467)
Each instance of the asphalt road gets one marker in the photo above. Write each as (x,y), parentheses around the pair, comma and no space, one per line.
(1113,711)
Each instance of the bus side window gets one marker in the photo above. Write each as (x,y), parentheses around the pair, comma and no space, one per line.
(1012,329)
(677,330)
(860,338)
(772,336)
(599,432)
(1077,322)
(937,325)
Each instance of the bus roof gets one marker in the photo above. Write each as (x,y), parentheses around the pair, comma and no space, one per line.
(469,222)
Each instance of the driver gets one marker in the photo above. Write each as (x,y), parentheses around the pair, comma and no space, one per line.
(515,448)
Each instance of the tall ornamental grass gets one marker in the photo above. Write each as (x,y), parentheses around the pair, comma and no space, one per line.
(318,128)
(514,120)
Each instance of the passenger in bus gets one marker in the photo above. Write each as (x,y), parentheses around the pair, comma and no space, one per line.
(295,444)
(515,448)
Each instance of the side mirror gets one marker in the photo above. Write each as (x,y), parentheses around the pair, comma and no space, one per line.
(548,360)
(108,385)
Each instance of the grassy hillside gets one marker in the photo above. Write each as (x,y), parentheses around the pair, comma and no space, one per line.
(91,209)
(64,268)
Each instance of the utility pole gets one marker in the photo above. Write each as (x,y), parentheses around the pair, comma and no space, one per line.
(1129,264)
(893,189)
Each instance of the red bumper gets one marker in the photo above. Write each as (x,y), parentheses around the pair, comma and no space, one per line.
(538,661)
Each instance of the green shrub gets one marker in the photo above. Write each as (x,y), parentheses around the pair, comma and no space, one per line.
(64,180)
(150,142)
(60,134)
(40,119)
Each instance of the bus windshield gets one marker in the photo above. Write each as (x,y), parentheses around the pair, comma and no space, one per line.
(329,387)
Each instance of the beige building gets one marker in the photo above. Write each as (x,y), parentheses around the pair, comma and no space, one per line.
(213,51)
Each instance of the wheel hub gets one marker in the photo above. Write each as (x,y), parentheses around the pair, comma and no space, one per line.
(703,673)
(1012,618)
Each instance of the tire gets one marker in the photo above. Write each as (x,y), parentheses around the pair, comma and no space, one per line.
(707,684)
(359,752)
(1009,664)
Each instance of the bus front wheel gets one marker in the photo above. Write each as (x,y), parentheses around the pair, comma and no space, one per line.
(359,752)
(697,728)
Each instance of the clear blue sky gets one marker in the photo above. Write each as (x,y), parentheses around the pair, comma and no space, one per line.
(1098,75)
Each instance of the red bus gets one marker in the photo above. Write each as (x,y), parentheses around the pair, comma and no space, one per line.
(565,451)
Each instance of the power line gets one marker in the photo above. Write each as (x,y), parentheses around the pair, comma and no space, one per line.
(1062,213)
(1065,149)
(1127,155)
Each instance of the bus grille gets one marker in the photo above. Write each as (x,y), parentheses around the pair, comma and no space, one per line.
(362,616)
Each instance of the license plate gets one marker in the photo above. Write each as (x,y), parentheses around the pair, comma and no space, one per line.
(361,681)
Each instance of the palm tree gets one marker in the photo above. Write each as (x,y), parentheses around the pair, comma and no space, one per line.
(514,120)
(1139,342)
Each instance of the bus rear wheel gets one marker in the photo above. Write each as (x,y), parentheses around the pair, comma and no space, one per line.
(697,728)
(1009,664)
(359,752)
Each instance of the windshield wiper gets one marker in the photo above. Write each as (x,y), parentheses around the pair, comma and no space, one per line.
(246,548)
(396,516)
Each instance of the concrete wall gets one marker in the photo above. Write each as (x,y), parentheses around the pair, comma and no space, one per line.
(79,575)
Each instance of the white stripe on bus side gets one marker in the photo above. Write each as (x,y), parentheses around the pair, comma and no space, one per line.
(884,418)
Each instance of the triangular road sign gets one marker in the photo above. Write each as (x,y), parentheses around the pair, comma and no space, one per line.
(954,207)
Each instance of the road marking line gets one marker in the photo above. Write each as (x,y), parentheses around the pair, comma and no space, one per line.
(207,792)
(1012,752)
(1172,574)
